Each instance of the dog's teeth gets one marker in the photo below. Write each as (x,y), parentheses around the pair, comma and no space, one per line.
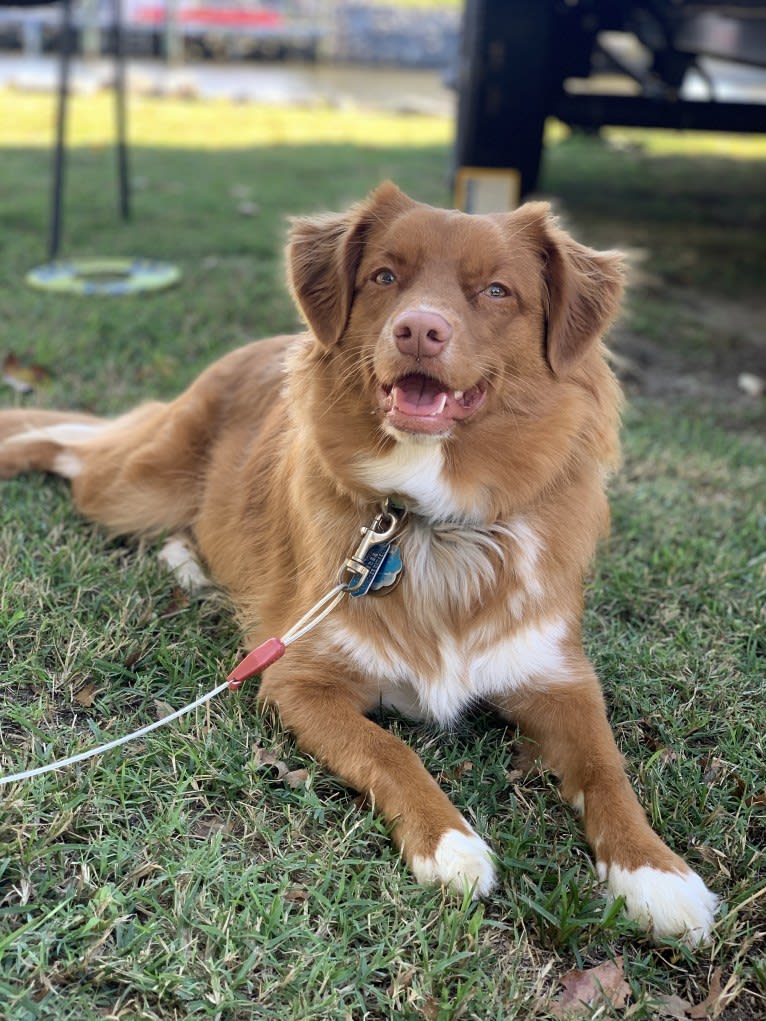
(458,394)
(442,405)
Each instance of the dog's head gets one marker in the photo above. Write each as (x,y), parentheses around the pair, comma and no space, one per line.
(435,324)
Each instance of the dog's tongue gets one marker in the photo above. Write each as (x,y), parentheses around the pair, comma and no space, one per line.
(419,395)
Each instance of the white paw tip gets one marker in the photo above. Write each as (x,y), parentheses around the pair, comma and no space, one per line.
(668,904)
(181,561)
(67,465)
(461,860)
(578,802)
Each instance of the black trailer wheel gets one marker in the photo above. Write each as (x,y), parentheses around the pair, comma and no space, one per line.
(504,86)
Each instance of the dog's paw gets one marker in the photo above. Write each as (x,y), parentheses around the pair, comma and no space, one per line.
(179,558)
(461,861)
(667,904)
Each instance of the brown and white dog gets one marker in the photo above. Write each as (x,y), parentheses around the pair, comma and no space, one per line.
(455,364)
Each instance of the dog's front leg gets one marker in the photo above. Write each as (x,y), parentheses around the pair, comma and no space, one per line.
(568,723)
(326,714)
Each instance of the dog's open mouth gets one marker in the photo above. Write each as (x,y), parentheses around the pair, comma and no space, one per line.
(419,403)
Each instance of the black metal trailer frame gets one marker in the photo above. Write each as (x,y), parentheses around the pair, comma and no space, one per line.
(518,58)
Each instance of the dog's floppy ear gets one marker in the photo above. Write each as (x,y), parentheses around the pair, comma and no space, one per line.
(582,294)
(323,256)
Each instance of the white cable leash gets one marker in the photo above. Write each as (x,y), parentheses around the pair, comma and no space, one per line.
(309,620)
(364,565)
(61,763)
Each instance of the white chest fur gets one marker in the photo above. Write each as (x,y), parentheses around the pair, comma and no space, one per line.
(449,570)
(414,468)
(464,673)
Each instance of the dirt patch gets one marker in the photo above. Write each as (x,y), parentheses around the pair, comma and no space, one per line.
(679,343)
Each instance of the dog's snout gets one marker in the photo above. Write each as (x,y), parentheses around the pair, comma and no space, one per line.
(422,334)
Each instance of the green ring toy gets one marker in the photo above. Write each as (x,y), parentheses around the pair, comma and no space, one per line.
(81,276)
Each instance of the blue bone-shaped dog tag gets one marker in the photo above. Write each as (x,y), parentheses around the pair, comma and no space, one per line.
(390,570)
(383,564)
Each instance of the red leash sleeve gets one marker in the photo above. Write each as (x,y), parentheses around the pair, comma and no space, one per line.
(263,655)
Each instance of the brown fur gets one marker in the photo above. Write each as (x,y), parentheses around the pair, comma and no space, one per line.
(263,469)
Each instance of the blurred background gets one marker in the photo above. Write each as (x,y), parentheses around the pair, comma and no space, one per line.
(507,64)
(280,51)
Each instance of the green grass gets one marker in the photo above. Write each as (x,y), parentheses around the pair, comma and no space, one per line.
(178,878)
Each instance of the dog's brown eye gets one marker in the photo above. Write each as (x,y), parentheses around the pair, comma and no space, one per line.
(496,290)
(384,277)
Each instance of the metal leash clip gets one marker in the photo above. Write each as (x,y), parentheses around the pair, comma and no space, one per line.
(374,554)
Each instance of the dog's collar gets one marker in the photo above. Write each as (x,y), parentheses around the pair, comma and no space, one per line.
(396,503)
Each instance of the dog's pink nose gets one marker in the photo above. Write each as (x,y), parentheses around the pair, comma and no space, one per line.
(422,334)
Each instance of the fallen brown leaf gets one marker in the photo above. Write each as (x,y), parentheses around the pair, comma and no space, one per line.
(296,777)
(603,985)
(296,894)
(266,758)
(713,1003)
(673,1007)
(163,709)
(23,378)
(207,827)
(756,799)
(86,696)
(402,981)
(431,1009)
(179,601)
(713,768)
(132,659)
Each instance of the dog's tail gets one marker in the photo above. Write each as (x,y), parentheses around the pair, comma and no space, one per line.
(138,473)
(37,440)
